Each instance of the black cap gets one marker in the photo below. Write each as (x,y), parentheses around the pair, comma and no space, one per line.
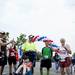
(3,33)
(30,36)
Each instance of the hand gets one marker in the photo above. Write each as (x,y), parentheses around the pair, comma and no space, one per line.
(11,41)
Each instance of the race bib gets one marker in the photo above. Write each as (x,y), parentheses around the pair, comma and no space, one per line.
(12,54)
(63,52)
(46,56)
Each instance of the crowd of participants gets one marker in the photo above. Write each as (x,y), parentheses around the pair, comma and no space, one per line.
(27,61)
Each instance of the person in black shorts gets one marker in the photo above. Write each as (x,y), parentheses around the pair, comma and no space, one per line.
(46,57)
(12,58)
(3,52)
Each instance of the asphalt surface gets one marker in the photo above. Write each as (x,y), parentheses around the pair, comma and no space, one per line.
(37,70)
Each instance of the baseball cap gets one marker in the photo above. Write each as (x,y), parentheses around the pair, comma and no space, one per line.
(31,36)
(47,40)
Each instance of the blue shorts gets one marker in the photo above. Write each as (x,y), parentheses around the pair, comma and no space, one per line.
(29,73)
(73,61)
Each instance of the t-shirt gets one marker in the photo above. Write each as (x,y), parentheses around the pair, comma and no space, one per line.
(47,52)
(3,54)
(12,52)
(57,58)
(3,50)
(29,46)
(63,53)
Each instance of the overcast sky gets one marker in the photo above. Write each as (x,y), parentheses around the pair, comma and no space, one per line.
(53,18)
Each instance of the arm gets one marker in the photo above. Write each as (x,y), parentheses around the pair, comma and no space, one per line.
(56,50)
(67,47)
(51,52)
(3,44)
(35,47)
(42,51)
(24,47)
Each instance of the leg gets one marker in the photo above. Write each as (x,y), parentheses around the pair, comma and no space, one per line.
(74,68)
(41,72)
(24,69)
(68,70)
(19,68)
(47,71)
(62,71)
(56,66)
(10,69)
(10,65)
(14,67)
(71,68)
(32,70)
(29,73)
(14,63)
(0,70)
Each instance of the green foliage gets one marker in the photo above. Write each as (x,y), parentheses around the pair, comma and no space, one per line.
(21,39)
(73,55)
(39,55)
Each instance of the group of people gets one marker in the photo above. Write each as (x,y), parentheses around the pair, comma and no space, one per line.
(29,56)
(3,53)
(64,58)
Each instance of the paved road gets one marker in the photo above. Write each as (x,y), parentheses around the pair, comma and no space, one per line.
(37,70)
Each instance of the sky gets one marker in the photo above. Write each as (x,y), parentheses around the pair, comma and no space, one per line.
(52,18)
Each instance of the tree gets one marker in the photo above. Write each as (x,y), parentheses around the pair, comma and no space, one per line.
(73,55)
(39,55)
(21,39)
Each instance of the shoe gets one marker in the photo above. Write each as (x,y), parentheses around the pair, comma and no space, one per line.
(10,73)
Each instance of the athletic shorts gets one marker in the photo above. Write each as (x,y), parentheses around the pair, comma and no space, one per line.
(45,63)
(12,60)
(0,61)
(3,61)
(65,63)
(73,61)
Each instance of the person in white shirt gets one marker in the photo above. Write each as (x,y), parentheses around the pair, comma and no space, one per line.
(65,61)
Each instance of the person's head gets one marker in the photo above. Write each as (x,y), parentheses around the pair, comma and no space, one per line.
(2,34)
(30,38)
(46,43)
(62,41)
(14,43)
(56,53)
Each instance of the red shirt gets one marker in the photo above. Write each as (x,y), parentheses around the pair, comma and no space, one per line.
(12,52)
